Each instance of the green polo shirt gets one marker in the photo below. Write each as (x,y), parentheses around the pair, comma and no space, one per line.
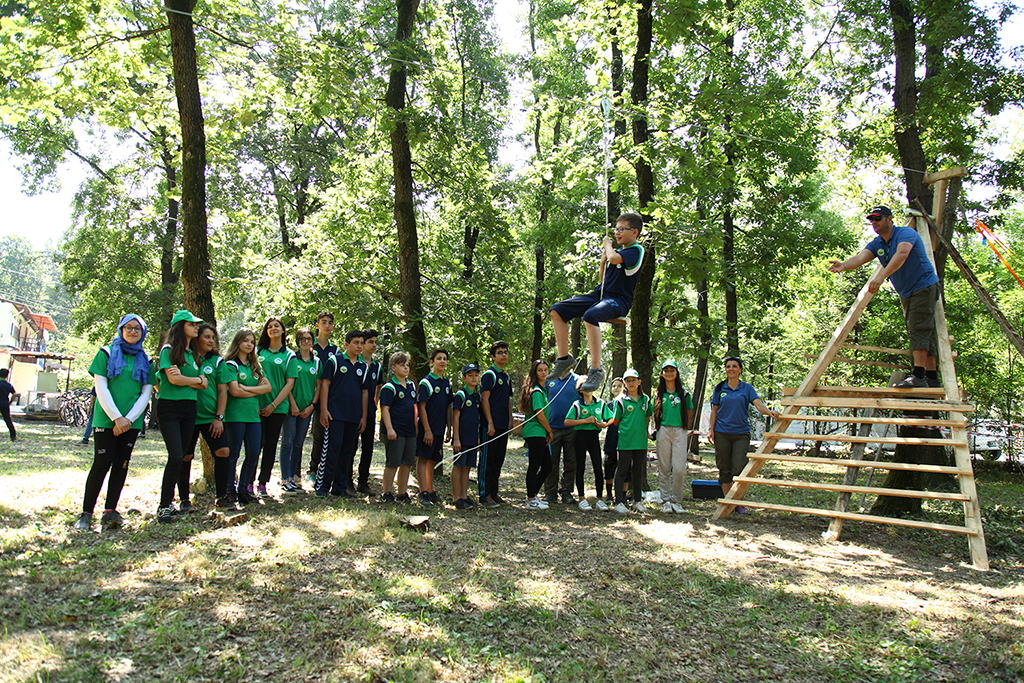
(241,409)
(307,373)
(216,372)
(538,401)
(634,414)
(278,366)
(581,411)
(123,389)
(673,408)
(173,392)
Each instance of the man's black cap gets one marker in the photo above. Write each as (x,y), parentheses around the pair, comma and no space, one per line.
(880,212)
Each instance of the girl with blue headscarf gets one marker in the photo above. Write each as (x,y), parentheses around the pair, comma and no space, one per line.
(124,384)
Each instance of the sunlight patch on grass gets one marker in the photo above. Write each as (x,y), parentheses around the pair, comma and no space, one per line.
(28,656)
(416,586)
(541,593)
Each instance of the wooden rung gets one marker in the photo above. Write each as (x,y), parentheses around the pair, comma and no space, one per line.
(876,403)
(616,321)
(955,172)
(845,462)
(846,438)
(908,421)
(878,349)
(850,515)
(844,488)
(857,361)
(873,392)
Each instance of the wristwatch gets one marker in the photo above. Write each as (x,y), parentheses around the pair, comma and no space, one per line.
(219,417)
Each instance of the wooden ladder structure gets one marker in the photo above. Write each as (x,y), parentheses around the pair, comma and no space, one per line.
(945,400)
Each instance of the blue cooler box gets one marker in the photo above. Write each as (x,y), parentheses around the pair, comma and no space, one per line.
(706,488)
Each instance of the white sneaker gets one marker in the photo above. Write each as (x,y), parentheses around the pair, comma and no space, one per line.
(677,508)
(639,507)
(666,507)
(585,504)
(621,509)
(601,505)
(532,504)
(541,503)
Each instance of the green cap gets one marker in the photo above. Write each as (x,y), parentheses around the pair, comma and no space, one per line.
(670,364)
(631,373)
(186,316)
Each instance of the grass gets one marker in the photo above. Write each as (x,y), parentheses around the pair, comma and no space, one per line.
(322,591)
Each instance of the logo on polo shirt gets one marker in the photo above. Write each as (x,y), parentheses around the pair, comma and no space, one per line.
(278,361)
(263,359)
(359,372)
(629,409)
(881,251)
(312,370)
(499,381)
(724,394)
(208,370)
(242,375)
(401,394)
(551,384)
(344,369)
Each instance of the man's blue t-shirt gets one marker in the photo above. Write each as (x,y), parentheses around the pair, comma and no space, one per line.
(348,380)
(916,272)
(467,403)
(733,405)
(401,402)
(498,383)
(620,278)
(561,395)
(436,392)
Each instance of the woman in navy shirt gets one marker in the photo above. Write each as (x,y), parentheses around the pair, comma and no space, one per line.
(729,428)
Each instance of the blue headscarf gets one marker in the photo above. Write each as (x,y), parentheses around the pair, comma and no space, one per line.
(119,347)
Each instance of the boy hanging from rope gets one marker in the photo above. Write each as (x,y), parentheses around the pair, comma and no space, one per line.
(609,300)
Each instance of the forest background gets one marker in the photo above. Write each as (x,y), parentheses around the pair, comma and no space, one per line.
(751,134)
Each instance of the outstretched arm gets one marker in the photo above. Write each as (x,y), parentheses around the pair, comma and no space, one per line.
(853,262)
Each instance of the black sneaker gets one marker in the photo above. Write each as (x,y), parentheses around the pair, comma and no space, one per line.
(911,382)
(387,498)
(225,504)
(320,494)
(425,499)
(186,507)
(403,499)
(244,498)
(166,515)
(933,382)
(469,502)
(434,497)
(460,504)
(84,522)
(498,499)
(365,488)
(490,503)
(568,500)
(111,520)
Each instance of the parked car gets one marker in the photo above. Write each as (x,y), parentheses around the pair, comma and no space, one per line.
(987,438)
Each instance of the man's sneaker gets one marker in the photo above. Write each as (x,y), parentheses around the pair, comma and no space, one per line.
(387,498)
(111,520)
(677,508)
(666,507)
(601,505)
(403,499)
(567,499)
(365,488)
(186,508)
(84,522)
(911,382)
(621,509)
(562,367)
(425,500)
(490,503)
(594,378)
(532,504)
(933,382)
(166,515)
(639,507)
(585,505)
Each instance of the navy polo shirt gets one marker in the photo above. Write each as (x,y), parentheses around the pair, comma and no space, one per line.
(916,272)
(561,395)
(324,354)
(374,379)
(401,402)
(436,392)
(469,407)
(348,380)
(497,382)
(733,405)
(620,278)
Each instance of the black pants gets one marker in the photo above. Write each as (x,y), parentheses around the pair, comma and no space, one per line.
(110,454)
(366,443)
(177,421)
(494,461)
(637,461)
(589,441)
(5,410)
(221,466)
(271,428)
(317,450)
(539,466)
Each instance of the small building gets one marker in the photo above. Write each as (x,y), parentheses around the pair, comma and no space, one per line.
(24,337)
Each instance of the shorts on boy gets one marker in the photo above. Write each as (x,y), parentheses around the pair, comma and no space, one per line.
(591,307)
(433,451)
(468,457)
(400,451)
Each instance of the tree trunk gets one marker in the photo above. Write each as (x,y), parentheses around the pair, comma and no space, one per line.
(732,334)
(414,337)
(619,343)
(169,241)
(894,506)
(701,377)
(948,223)
(640,331)
(195,271)
(538,297)
(906,129)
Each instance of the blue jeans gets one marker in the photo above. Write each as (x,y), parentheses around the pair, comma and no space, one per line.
(293,435)
(250,434)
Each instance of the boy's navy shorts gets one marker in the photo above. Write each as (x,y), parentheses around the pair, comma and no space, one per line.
(432,452)
(591,307)
(468,457)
